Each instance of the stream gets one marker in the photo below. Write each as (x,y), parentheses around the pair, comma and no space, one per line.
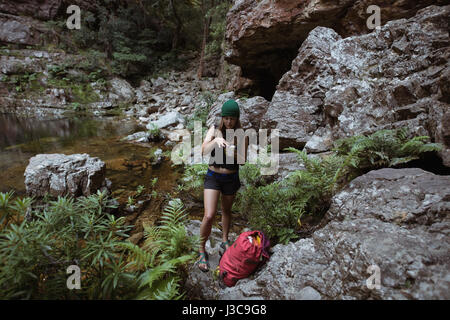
(126,163)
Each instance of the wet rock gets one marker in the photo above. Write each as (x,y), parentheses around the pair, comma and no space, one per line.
(61,175)
(396,220)
(157,157)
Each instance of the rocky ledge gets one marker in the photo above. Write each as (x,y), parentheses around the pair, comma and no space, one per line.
(391,221)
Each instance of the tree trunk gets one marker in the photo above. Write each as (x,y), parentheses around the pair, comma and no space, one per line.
(179,26)
(206,23)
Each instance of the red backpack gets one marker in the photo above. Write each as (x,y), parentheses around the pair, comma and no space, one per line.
(244,256)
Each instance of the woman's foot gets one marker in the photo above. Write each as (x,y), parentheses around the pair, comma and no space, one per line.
(202,262)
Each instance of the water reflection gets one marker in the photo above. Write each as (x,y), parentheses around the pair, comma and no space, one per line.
(99,137)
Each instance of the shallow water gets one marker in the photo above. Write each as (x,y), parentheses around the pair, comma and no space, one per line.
(127,165)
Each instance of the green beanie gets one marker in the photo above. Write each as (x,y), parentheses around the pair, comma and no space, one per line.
(230,109)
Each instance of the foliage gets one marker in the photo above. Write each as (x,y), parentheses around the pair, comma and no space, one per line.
(35,252)
(384,148)
(277,208)
(21,81)
(166,250)
(302,192)
(217,28)
(193,179)
(154,132)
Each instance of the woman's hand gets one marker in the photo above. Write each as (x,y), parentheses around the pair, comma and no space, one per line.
(221,142)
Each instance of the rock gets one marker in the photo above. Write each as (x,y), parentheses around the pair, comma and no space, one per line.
(175,135)
(157,157)
(40,9)
(396,220)
(187,100)
(251,110)
(263,36)
(19,30)
(202,285)
(135,238)
(142,136)
(60,175)
(343,87)
(43,9)
(121,91)
(288,163)
(166,120)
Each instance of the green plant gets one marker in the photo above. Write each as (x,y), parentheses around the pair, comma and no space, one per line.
(35,253)
(6,210)
(154,131)
(193,178)
(160,261)
(130,201)
(309,191)
(139,190)
(384,148)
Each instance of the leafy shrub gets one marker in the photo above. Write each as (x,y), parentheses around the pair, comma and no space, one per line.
(166,250)
(384,148)
(35,252)
(278,207)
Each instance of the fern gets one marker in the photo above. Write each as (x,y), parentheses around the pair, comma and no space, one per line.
(166,249)
(278,207)
(384,148)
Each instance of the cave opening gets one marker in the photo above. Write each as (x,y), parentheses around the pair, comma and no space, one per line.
(267,74)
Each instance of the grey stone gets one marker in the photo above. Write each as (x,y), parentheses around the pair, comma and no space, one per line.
(357,85)
(396,220)
(166,120)
(60,175)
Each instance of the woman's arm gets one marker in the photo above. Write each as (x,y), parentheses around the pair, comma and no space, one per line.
(210,143)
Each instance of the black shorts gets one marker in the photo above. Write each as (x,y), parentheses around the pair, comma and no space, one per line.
(227,183)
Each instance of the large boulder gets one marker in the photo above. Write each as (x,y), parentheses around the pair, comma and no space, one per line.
(20,30)
(64,175)
(395,77)
(392,221)
(251,110)
(168,119)
(40,9)
(121,91)
(43,9)
(263,36)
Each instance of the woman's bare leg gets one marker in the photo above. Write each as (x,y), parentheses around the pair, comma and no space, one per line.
(227,203)
(211,198)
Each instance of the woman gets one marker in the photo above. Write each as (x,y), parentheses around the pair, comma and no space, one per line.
(220,178)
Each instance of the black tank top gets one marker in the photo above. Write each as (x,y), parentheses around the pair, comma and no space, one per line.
(233,166)
(230,166)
